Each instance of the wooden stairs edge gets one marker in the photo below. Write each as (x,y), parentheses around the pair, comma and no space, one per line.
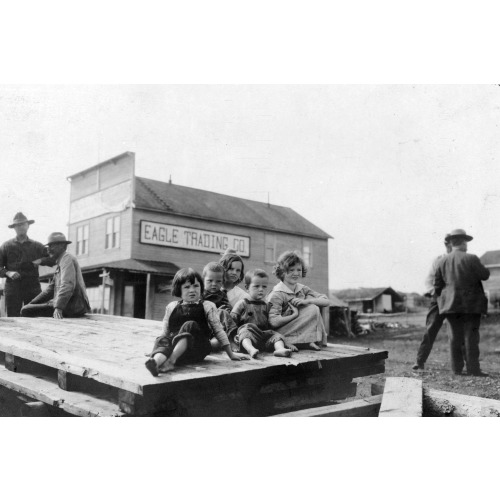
(47,391)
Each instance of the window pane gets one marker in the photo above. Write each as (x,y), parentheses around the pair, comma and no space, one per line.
(307,253)
(269,255)
(269,244)
(86,232)
(117,224)
(95,299)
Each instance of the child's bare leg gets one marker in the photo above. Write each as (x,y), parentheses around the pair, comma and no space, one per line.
(159,358)
(179,350)
(248,346)
(280,350)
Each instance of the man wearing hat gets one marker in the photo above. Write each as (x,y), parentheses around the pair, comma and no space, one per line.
(461,300)
(19,258)
(66,295)
(434,320)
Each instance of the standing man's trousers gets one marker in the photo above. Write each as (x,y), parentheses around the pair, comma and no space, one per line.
(464,329)
(18,293)
(433,324)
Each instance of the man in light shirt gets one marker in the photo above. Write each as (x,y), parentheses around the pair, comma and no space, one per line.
(434,320)
(66,295)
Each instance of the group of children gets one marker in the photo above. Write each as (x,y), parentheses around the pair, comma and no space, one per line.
(215,313)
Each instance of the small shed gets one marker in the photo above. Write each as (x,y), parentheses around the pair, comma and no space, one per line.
(491,260)
(370,300)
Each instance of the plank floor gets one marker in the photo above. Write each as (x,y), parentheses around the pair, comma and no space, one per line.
(112,349)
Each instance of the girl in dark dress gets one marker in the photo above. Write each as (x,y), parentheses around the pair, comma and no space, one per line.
(187,327)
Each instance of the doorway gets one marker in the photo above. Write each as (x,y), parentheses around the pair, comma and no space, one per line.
(134,300)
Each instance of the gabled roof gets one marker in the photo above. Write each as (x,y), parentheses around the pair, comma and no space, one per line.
(336,302)
(206,205)
(359,294)
(491,258)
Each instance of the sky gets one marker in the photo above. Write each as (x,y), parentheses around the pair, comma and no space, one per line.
(386,170)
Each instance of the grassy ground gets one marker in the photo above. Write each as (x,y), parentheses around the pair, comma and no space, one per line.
(402,344)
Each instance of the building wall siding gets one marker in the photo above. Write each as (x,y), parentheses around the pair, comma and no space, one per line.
(107,175)
(317,277)
(97,253)
(84,184)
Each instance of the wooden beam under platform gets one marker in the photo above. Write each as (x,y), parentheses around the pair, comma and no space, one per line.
(103,357)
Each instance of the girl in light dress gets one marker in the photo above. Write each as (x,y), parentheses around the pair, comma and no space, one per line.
(233,275)
(306,330)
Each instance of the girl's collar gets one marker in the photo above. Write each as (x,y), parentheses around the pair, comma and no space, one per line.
(281,287)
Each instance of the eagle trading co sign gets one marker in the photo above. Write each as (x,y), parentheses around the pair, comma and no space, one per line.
(155,233)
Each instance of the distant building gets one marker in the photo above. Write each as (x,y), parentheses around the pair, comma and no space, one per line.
(367,300)
(133,234)
(491,260)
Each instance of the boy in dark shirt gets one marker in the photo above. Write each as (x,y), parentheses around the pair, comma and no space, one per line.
(213,278)
(252,317)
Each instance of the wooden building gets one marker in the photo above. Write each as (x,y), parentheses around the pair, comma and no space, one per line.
(133,234)
(371,300)
(491,260)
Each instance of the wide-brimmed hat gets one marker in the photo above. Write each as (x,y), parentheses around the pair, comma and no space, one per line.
(20,218)
(57,238)
(461,233)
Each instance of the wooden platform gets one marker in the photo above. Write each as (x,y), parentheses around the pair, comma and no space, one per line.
(95,366)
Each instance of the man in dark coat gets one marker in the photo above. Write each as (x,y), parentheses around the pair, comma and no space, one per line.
(66,296)
(462,300)
(19,258)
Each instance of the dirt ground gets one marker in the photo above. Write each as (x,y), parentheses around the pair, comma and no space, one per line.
(402,344)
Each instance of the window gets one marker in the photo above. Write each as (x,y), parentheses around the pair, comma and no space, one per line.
(307,253)
(113,232)
(94,294)
(270,248)
(82,240)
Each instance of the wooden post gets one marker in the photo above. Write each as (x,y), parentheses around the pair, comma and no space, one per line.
(103,275)
(130,403)
(118,293)
(149,296)
(67,381)
(11,362)
(326,318)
